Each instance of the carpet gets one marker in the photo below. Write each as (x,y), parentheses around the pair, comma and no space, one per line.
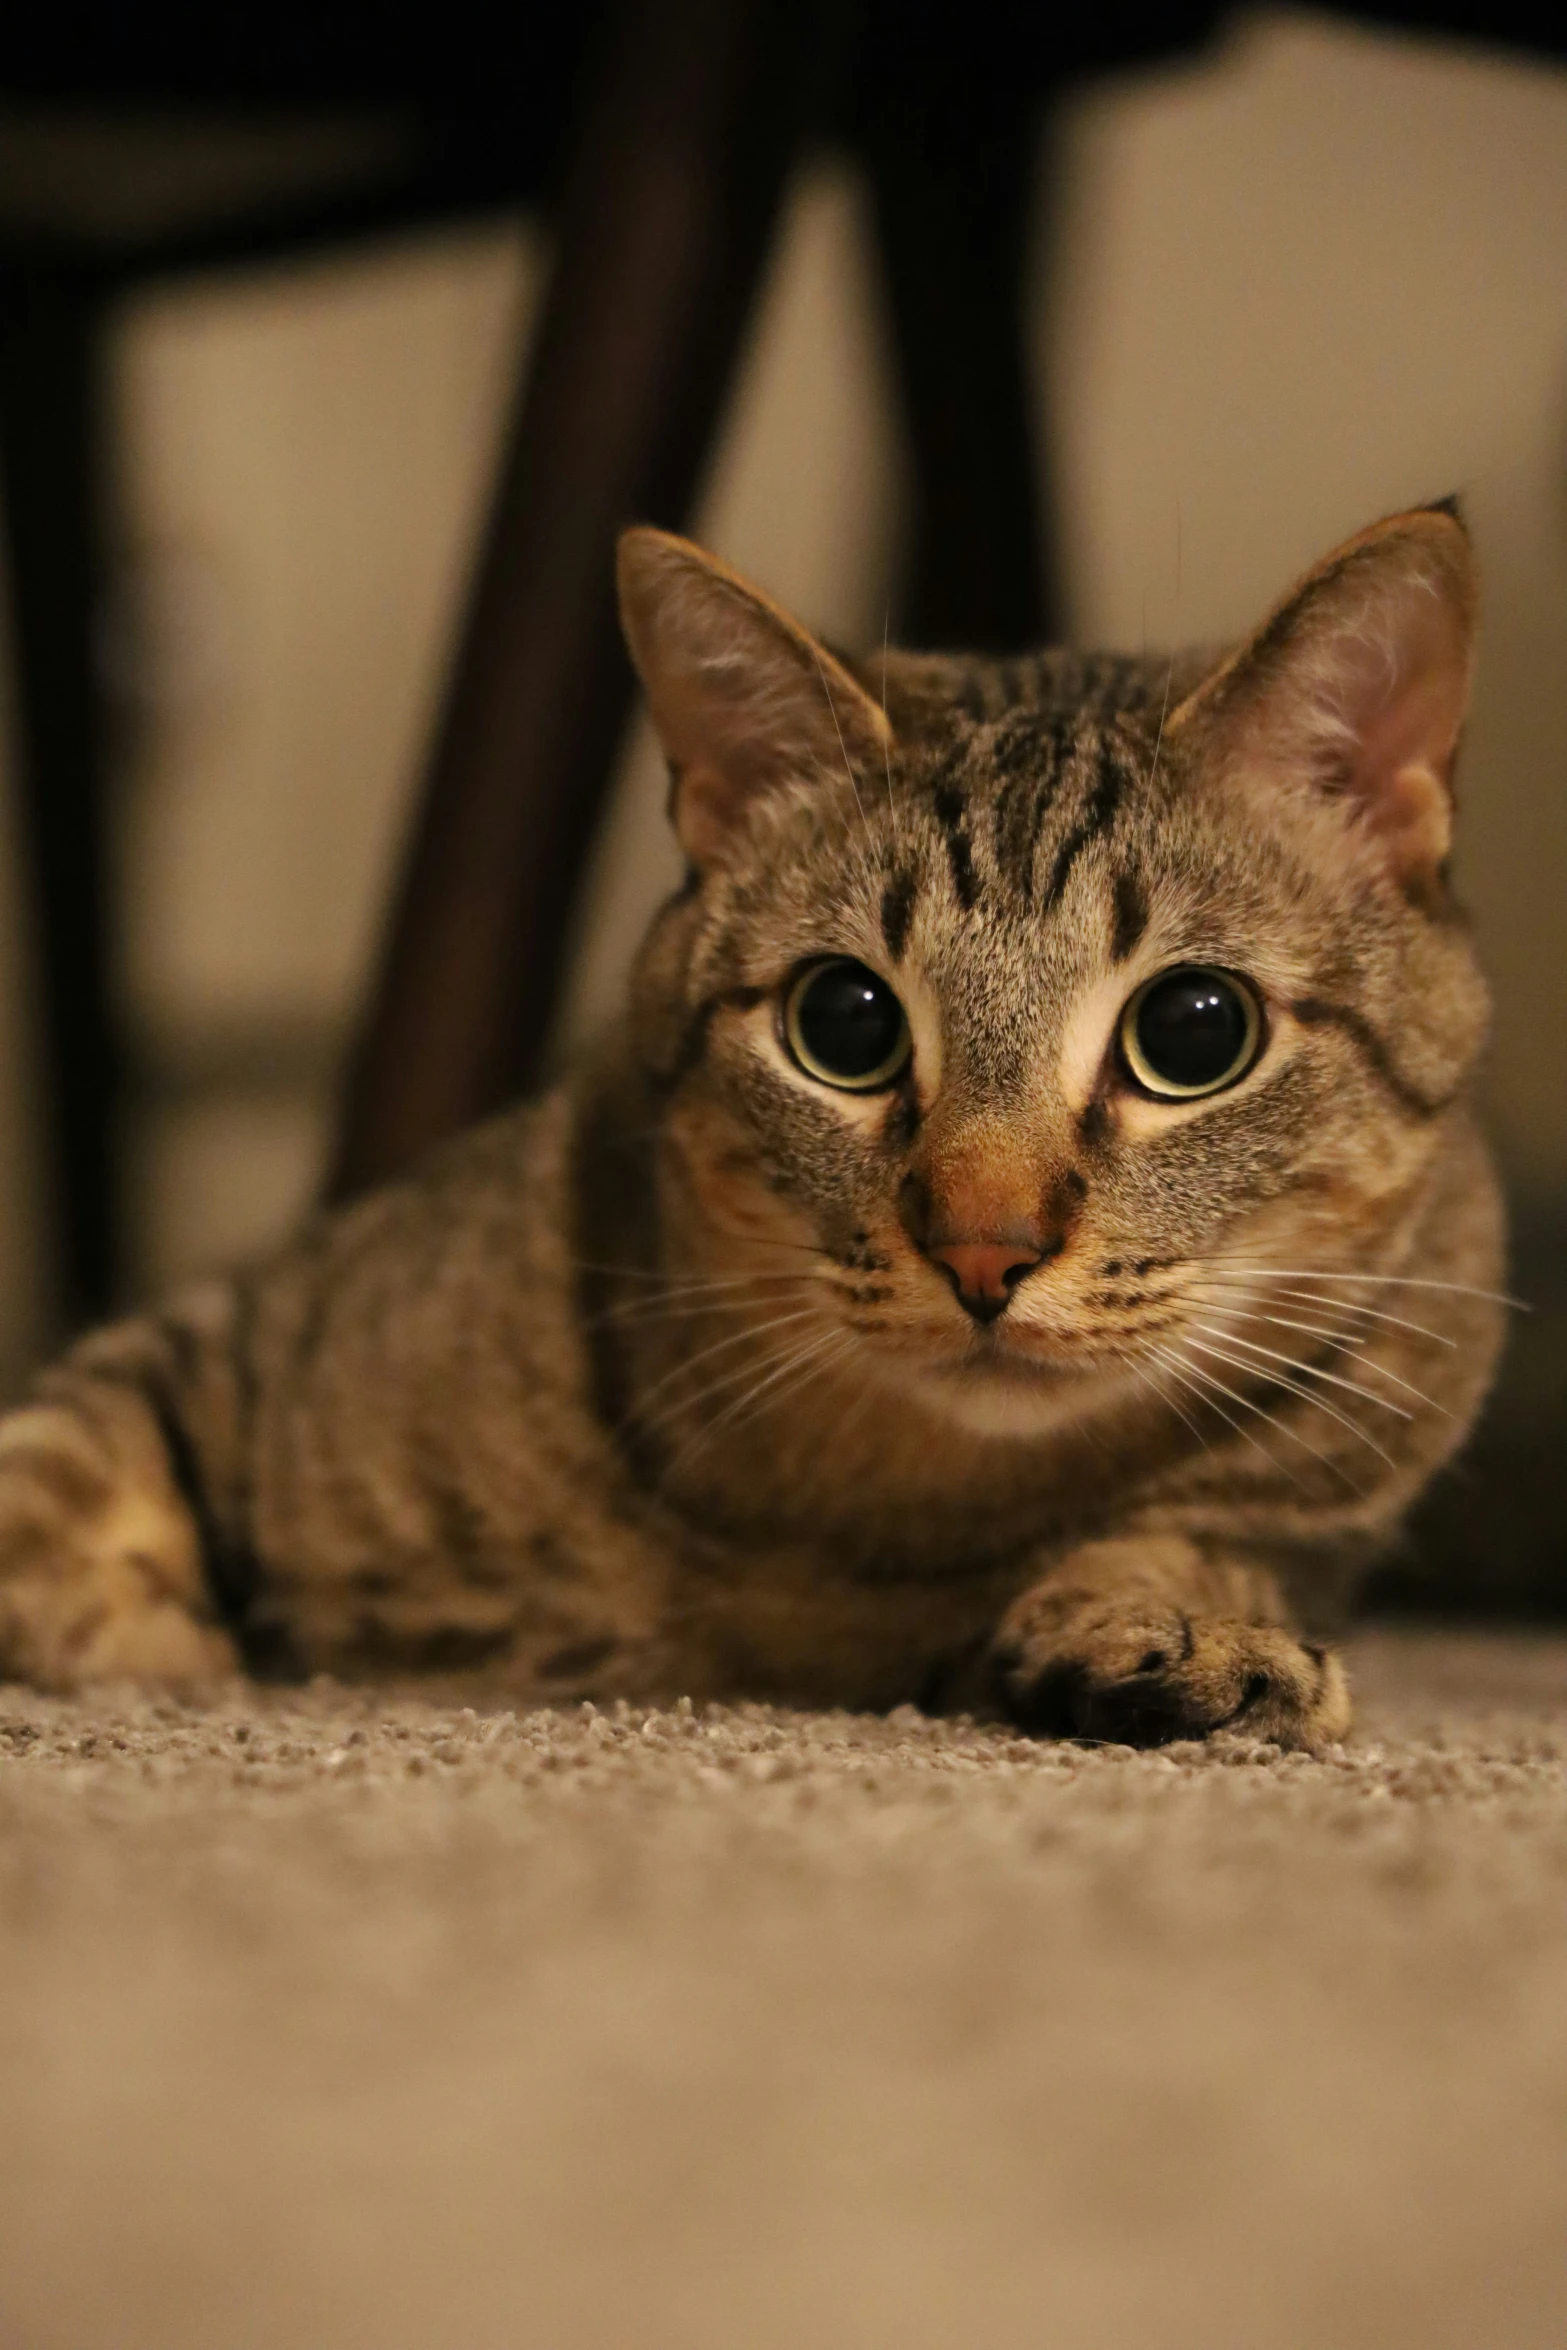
(334,2019)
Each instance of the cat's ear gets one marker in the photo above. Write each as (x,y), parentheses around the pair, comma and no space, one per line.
(1357,685)
(742,698)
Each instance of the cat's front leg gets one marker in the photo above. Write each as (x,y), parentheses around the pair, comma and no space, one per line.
(101,1569)
(1139,1641)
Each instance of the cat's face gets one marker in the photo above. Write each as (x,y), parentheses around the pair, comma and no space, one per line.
(1026,1034)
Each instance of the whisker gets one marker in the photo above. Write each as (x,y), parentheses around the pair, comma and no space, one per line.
(1306,1370)
(886,740)
(1370,1363)
(668,1417)
(1204,1386)
(1153,773)
(843,747)
(699,1298)
(1495,1297)
(1364,1361)
(724,1383)
(1336,1336)
(1292,1387)
(797,1372)
(1145,1378)
(1343,1331)
(669,1286)
(742,1404)
(1201,1382)
(1311,1297)
(1249,1404)
(803,1248)
(682,1369)
(647,1312)
(1340,1325)
(663,1278)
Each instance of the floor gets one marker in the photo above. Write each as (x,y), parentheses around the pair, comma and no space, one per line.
(364,2020)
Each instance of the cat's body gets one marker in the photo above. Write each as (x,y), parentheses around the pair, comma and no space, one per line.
(1002,1374)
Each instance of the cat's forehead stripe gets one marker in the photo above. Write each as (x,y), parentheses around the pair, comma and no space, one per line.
(1105,793)
(1008,777)
(952,815)
(897,910)
(1027,771)
(1130,915)
(1028,758)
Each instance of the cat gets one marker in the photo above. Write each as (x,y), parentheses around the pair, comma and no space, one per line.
(1024,1248)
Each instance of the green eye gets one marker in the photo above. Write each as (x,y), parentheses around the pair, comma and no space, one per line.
(845,1027)
(1190,1031)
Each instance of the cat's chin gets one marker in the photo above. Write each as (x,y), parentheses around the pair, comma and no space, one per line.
(1011,1396)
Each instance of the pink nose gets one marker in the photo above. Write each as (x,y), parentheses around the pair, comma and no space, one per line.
(985,1272)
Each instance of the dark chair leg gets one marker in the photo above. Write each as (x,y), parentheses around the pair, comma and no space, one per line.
(699,109)
(953,170)
(51,454)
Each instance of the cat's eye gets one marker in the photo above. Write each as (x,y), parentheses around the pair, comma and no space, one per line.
(845,1027)
(1190,1031)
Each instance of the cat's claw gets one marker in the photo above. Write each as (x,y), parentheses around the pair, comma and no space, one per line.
(1132,1674)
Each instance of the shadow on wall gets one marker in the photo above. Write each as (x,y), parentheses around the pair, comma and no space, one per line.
(1314,278)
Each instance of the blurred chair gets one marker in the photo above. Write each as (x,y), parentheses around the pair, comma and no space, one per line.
(138,145)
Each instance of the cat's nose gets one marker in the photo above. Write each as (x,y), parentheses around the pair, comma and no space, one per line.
(984,1273)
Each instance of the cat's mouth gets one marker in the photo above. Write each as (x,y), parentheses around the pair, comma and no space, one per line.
(993,1366)
(995,1387)
(1001,1357)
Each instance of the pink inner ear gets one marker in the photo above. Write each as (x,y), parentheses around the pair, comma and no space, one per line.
(1401,770)
(741,697)
(1402,685)
(706,804)
(1355,688)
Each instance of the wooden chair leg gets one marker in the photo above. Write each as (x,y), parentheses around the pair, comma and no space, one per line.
(666,222)
(51,452)
(954,171)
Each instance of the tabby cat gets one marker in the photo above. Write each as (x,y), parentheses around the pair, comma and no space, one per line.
(1025,1246)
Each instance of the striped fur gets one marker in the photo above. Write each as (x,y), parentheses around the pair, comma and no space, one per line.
(659,1386)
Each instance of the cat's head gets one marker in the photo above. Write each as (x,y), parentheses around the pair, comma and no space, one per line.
(1028,1000)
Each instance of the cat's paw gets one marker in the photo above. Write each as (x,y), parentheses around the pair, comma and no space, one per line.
(82,1618)
(100,1580)
(1133,1672)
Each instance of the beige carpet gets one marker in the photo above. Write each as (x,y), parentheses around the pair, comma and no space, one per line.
(334,2021)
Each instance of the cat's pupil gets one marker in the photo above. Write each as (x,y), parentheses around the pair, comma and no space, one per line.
(846,1026)
(1192,1029)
